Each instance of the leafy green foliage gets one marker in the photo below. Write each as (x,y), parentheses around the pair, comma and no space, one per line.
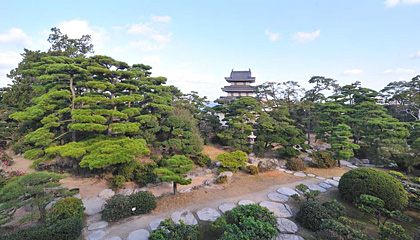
(334,208)
(296,164)
(175,170)
(332,229)
(311,214)
(251,169)
(376,183)
(69,207)
(392,231)
(221,179)
(202,160)
(171,231)
(117,181)
(323,159)
(308,194)
(233,161)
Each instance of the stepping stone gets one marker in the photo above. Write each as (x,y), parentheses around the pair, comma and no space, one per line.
(286,226)
(98,225)
(320,178)
(114,238)
(141,234)
(324,185)
(155,223)
(289,172)
(245,202)
(208,214)
(106,193)
(226,207)
(283,166)
(279,209)
(280,169)
(310,175)
(188,190)
(287,191)
(337,178)
(186,216)
(93,205)
(94,218)
(97,235)
(332,182)
(314,187)
(126,191)
(300,174)
(283,236)
(277,197)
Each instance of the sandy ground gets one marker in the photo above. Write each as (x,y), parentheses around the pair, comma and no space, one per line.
(213,150)
(21,163)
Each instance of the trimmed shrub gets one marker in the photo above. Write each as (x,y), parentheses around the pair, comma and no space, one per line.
(323,159)
(296,164)
(373,182)
(117,181)
(143,201)
(233,160)
(252,210)
(397,174)
(288,152)
(334,208)
(392,231)
(168,230)
(311,214)
(145,174)
(221,179)
(332,229)
(64,208)
(67,229)
(202,160)
(251,169)
(127,170)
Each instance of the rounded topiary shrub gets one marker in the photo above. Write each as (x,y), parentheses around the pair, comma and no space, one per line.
(323,159)
(121,206)
(251,169)
(296,164)
(64,208)
(373,182)
(143,202)
(310,215)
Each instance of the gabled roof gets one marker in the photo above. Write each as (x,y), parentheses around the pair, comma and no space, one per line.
(240,76)
(238,89)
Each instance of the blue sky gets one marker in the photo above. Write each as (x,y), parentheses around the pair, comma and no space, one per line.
(195,44)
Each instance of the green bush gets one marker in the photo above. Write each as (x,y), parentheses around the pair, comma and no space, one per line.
(67,229)
(145,174)
(168,230)
(202,160)
(233,161)
(221,179)
(392,231)
(64,208)
(251,169)
(397,174)
(127,170)
(373,182)
(121,206)
(332,229)
(334,208)
(288,152)
(311,214)
(296,164)
(255,211)
(323,159)
(415,180)
(117,181)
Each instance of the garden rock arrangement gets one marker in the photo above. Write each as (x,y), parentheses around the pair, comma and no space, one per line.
(141,234)
(186,216)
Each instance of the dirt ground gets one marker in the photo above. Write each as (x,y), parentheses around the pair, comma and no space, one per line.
(213,150)
(21,163)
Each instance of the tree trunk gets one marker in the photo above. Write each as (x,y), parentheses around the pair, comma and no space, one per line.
(175,188)
(73,97)
(379,219)
(42,214)
(62,132)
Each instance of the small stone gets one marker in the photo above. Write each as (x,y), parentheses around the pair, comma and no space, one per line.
(352,166)
(227,174)
(186,216)
(226,207)
(277,197)
(310,175)
(324,185)
(345,163)
(337,178)
(283,166)
(287,191)
(365,161)
(286,226)
(98,225)
(94,218)
(279,209)
(283,236)
(114,238)
(320,178)
(208,214)
(188,190)
(143,189)
(300,174)
(315,187)
(93,205)
(97,235)
(331,182)
(307,159)
(106,193)
(288,172)
(155,223)
(126,191)
(245,202)
(280,169)
(141,234)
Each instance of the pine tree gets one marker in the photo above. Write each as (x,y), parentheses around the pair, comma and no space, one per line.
(174,170)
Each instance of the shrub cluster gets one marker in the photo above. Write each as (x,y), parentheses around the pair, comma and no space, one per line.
(373,182)
(64,208)
(323,159)
(296,164)
(121,206)
(202,160)
(233,161)
(311,214)
(392,231)
(142,174)
(168,230)
(251,169)
(221,179)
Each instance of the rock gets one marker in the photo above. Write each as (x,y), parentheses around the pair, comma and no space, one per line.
(337,178)
(186,190)
(277,197)
(283,236)
(352,166)
(114,238)
(155,223)
(210,181)
(208,214)
(324,185)
(279,209)
(287,191)
(226,207)
(215,187)
(314,187)
(78,196)
(355,161)
(245,202)
(365,161)
(310,175)
(126,191)
(218,164)
(252,160)
(93,205)
(307,159)
(186,216)
(288,172)
(280,169)
(227,174)
(143,189)
(98,225)
(368,165)
(48,207)
(345,163)
(283,166)
(300,174)
(97,235)
(286,226)
(106,193)
(141,234)
(320,178)
(332,182)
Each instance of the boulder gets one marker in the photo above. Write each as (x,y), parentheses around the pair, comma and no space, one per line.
(126,191)
(320,178)
(283,236)
(227,174)
(287,191)
(141,234)
(307,159)
(106,193)
(97,235)
(279,209)
(310,175)
(93,205)
(114,238)
(337,178)
(186,216)
(245,202)
(344,162)
(356,161)
(365,161)
(155,223)
(143,189)
(286,226)
(226,207)
(288,172)
(208,214)
(300,174)
(98,225)
(277,197)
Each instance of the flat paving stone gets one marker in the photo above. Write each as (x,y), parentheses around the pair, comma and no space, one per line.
(93,205)
(324,185)
(245,202)
(315,187)
(98,225)
(286,226)
(352,166)
(310,175)
(280,210)
(320,178)
(93,218)
(332,182)
(208,214)
(226,207)
(277,197)
(114,238)
(280,169)
(106,193)
(141,234)
(283,236)
(155,223)
(97,235)
(300,174)
(186,216)
(289,172)
(287,191)
(337,178)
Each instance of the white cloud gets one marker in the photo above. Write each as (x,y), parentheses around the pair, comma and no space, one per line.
(14,36)
(141,28)
(306,36)
(9,59)
(415,55)
(393,3)
(151,60)
(77,28)
(399,71)
(272,36)
(153,36)
(161,19)
(355,71)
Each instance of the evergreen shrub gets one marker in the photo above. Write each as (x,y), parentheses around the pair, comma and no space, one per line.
(168,230)
(221,179)
(323,159)
(251,169)
(117,181)
(233,161)
(296,164)
(311,214)
(64,208)
(392,231)
(202,160)
(121,206)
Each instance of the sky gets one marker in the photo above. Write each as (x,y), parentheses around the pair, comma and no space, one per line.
(196,44)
